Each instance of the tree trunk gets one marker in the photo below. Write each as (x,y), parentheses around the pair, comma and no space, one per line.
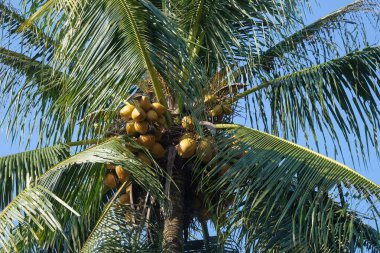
(173,215)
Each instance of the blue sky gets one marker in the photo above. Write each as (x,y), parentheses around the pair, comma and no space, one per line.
(321,9)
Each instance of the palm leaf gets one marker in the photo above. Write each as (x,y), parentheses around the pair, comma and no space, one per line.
(34,205)
(279,182)
(314,31)
(16,170)
(340,96)
(115,232)
(81,190)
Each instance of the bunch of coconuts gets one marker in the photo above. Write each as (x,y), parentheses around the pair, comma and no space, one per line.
(144,121)
(217,109)
(191,144)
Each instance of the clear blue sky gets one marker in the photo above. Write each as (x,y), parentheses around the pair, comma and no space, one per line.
(321,9)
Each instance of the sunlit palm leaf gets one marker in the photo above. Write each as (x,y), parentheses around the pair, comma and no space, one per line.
(279,182)
(340,96)
(82,189)
(16,170)
(32,208)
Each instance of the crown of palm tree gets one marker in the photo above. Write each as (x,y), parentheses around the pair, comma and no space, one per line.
(68,67)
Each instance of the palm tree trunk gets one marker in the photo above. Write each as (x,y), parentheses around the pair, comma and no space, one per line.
(173,216)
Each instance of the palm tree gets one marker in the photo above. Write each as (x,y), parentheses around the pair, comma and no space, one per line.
(136,105)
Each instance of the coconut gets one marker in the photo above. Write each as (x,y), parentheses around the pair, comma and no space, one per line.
(187,123)
(216,111)
(152,116)
(145,103)
(205,149)
(224,169)
(158,151)
(126,111)
(227,109)
(146,140)
(186,147)
(145,158)
(159,108)
(110,180)
(142,127)
(122,174)
(210,99)
(161,120)
(138,114)
(124,199)
(130,128)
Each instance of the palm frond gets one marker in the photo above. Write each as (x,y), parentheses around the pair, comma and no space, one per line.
(339,96)
(79,184)
(314,31)
(19,169)
(33,207)
(116,232)
(279,182)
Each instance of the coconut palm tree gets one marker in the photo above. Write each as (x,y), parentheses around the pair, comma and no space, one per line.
(163,121)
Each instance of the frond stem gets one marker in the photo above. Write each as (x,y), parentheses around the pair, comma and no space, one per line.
(157,86)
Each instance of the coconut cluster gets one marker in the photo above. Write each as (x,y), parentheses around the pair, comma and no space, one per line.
(216,108)
(190,144)
(115,175)
(145,122)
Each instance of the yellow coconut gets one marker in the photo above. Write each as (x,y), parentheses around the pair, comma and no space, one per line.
(224,169)
(110,180)
(205,149)
(130,128)
(126,111)
(138,114)
(124,199)
(227,109)
(159,108)
(145,103)
(152,116)
(186,147)
(161,120)
(216,111)
(147,140)
(187,123)
(142,127)
(157,150)
(145,158)
(210,99)
(122,174)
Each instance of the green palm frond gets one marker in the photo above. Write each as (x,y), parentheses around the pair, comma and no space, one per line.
(338,96)
(32,208)
(314,31)
(279,182)
(116,232)
(81,190)
(16,170)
